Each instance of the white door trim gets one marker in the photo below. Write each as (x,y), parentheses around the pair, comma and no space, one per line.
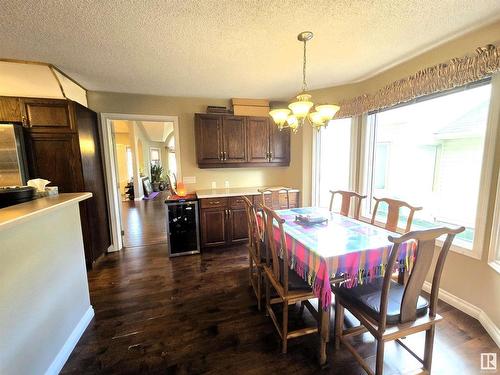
(110,168)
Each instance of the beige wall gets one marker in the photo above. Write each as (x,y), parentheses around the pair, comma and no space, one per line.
(185,108)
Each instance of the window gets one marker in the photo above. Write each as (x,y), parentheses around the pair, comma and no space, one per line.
(172,162)
(333,160)
(130,166)
(494,255)
(430,154)
(154,154)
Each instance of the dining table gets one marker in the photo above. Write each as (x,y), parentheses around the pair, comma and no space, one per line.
(338,248)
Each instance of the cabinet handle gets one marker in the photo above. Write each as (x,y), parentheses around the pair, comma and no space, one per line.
(220,155)
(225,155)
(270,156)
(214,202)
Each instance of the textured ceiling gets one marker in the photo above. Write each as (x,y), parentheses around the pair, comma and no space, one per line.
(228,48)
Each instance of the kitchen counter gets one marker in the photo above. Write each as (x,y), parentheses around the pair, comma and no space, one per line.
(233,192)
(24,211)
(44,296)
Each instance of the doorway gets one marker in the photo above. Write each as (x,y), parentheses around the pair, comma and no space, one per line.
(139,151)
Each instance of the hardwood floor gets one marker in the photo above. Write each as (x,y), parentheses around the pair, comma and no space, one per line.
(144,221)
(196,314)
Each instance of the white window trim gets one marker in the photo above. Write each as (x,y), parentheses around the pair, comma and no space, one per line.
(316,150)
(159,154)
(485,183)
(494,251)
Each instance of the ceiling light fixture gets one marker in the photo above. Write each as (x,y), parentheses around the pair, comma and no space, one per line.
(299,111)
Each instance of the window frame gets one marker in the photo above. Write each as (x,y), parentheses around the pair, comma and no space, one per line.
(494,250)
(474,250)
(159,155)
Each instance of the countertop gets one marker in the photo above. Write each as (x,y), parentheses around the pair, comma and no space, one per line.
(233,192)
(26,211)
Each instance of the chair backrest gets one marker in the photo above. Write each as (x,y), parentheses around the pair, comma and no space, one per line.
(393,213)
(254,230)
(426,243)
(271,217)
(275,196)
(346,202)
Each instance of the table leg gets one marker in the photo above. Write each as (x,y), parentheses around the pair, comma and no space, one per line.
(324,332)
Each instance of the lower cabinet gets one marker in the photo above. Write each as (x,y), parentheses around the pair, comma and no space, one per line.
(223,221)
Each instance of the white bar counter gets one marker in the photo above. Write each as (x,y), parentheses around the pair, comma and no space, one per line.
(44,296)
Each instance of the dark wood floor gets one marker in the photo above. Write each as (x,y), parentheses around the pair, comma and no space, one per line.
(143,221)
(196,314)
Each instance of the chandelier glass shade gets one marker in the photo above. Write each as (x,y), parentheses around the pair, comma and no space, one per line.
(299,111)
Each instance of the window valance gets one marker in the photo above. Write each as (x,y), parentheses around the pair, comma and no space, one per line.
(454,73)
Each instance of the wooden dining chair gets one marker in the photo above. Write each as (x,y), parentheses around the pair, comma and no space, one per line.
(393,213)
(391,311)
(289,287)
(255,254)
(274,195)
(347,197)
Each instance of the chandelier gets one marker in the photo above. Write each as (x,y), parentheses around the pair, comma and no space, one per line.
(299,111)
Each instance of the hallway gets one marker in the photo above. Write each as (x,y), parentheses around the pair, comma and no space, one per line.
(144,222)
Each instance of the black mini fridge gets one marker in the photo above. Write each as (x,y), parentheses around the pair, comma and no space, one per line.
(182,225)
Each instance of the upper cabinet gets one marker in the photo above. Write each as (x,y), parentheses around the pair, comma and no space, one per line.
(225,141)
(10,109)
(48,115)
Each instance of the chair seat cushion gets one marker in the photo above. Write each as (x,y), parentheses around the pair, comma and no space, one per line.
(366,297)
(295,282)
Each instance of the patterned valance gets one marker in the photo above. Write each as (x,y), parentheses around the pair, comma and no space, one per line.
(445,76)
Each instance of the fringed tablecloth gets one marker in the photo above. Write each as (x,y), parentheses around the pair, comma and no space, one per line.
(343,246)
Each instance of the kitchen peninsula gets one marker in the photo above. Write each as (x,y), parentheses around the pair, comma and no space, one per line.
(44,295)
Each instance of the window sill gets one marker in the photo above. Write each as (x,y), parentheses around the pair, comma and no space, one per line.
(495,264)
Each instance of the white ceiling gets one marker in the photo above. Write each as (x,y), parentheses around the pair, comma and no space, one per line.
(228,48)
(157,131)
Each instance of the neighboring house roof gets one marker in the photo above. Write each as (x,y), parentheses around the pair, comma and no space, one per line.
(471,123)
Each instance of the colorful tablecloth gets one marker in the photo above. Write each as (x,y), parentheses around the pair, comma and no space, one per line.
(342,246)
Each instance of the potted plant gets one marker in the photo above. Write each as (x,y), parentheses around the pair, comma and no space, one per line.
(156,171)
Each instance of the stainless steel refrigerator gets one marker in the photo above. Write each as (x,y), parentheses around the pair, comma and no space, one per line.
(13,165)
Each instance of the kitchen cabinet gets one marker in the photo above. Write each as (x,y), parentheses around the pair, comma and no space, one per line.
(226,141)
(48,115)
(223,221)
(10,109)
(63,146)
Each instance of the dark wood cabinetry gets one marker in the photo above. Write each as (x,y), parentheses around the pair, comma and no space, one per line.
(63,146)
(240,141)
(224,220)
(10,109)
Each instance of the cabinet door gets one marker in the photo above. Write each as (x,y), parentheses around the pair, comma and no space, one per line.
(238,225)
(10,109)
(280,145)
(56,157)
(234,139)
(208,139)
(258,139)
(213,227)
(45,115)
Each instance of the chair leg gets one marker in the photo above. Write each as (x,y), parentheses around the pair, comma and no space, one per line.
(339,323)
(429,344)
(379,366)
(250,270)
(259,288)
(268,295)
(285,325)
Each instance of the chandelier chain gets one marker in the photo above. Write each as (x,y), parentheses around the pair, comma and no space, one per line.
(304,83)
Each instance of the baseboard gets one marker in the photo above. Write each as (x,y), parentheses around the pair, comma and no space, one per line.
(63,355)
(469,309)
